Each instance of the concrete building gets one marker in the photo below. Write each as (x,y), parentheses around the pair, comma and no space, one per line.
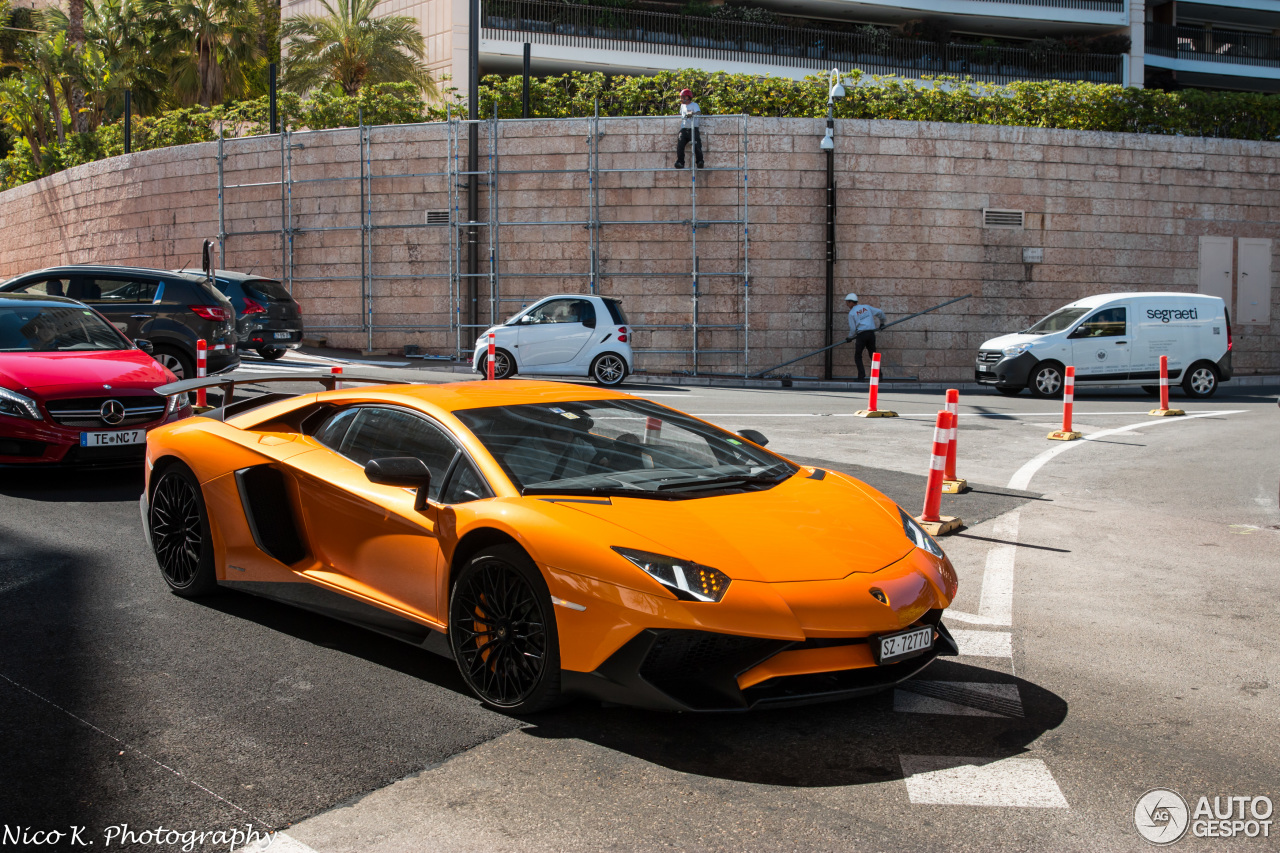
(1209,43)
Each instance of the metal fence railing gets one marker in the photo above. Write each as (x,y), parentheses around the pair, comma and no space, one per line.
(572,25)
(1213,45)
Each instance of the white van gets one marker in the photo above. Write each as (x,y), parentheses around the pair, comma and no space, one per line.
(1116,339)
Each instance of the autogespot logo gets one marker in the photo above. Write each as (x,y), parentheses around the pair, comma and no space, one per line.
(1161,816)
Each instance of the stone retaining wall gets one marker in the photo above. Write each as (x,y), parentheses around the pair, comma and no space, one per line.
(1112,212)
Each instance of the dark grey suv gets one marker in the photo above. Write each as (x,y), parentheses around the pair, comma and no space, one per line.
(170,309)
(268,318)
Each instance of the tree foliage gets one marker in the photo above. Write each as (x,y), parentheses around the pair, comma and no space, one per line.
(349,48)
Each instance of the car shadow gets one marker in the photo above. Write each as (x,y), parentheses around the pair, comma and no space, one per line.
(62,485)
(852,742)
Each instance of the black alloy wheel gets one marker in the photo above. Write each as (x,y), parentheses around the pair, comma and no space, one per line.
(503,632)
(180,534)
(504,366)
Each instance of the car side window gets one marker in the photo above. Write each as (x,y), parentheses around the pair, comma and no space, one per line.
(378,432)
(564,311)
(331,432)
(1107,323)
(108,291)
(46,287)
(465,485)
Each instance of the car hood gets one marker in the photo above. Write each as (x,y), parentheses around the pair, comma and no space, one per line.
(800,530)
(55,372)
(1011,340)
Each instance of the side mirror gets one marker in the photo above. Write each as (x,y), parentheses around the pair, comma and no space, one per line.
(144,345)
(754,436)
(408,472)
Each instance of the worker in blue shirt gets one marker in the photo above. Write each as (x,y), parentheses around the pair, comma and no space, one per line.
(864,320)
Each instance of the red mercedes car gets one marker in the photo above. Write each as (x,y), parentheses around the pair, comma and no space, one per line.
(73,389)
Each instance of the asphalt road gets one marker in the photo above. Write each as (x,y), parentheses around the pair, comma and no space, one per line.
(1138,646)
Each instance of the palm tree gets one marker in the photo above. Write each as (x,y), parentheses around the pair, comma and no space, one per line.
(351,48)
(210,45)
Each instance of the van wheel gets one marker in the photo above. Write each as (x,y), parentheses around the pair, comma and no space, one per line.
(1201,380)
(1046,380)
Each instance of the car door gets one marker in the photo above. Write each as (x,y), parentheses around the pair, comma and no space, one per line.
(552,334)
(367,538)
(1101,346)
(128,302)
(45,286)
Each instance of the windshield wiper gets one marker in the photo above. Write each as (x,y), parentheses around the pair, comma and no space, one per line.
(597,491)
(745,479)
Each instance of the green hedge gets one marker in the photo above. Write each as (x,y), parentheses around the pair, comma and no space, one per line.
(1073,106)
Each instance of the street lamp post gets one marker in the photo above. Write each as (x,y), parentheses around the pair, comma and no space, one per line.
(828,144)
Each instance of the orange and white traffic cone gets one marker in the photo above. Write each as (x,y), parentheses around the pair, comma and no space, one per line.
(874,394)
(202,370)
(951,484)
(931,519)
(493,350)
(1068,403)
(1164,411)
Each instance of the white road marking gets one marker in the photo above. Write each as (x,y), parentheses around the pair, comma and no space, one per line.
(996,605)
(958,698)
(1022,478)
(931,415)
(984,644)
(955,781)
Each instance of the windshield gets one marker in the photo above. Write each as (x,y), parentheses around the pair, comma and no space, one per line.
(1058,321)
(56,328)
(268,289)
(619,447)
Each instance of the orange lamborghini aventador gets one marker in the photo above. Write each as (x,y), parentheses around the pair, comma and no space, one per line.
(555,540)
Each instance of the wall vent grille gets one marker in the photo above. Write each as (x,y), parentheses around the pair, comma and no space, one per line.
(1003,218)
(437,217)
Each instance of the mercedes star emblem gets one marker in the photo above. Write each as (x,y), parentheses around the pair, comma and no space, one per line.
(112,412)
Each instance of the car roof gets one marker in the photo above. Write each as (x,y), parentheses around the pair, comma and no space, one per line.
(456,396)
(232,275)
(1104,298)
(107,269)
(36,299)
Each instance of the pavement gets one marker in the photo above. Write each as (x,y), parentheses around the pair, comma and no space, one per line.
(1116,618)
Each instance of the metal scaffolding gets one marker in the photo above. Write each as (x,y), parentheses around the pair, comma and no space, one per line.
(506,286)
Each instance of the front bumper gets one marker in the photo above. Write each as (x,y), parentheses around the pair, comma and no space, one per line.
(1006,372)
(34,444)
(681,670)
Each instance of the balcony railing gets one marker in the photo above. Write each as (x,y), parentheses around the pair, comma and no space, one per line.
(1090,5)
(1213,45)
(594,27)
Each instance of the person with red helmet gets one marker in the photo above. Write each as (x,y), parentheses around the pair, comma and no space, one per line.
(689,113)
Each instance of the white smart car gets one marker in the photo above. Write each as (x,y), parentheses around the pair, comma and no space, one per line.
(563,335)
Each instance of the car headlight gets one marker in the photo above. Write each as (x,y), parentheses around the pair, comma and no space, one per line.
(688,580)
(917,534)
(1017,349)
(15,405)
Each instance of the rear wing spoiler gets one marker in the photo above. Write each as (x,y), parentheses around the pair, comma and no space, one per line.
(227,383)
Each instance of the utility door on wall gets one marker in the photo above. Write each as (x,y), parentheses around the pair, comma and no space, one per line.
(1215,267)
(1253,304)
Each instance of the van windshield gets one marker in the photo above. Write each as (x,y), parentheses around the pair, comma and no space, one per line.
(1058,321)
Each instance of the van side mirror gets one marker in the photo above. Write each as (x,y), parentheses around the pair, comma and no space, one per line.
(408,472)
(754,436)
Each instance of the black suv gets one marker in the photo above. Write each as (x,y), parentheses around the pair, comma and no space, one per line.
(170,309)
(268,319)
